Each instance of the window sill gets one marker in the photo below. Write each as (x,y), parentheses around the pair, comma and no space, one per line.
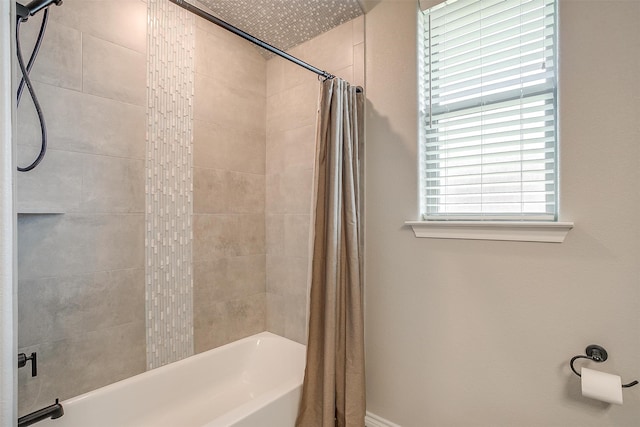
(519,231)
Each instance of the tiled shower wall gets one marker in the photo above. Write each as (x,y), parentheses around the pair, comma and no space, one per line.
(81,249)
(81,273)
(82,270)
(292,94)
(228,212)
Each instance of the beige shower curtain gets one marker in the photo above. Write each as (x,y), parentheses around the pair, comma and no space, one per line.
(333,392)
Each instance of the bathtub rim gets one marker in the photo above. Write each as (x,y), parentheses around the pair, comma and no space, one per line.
(177,364)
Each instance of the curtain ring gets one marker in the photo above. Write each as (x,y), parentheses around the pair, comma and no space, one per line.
(325,76)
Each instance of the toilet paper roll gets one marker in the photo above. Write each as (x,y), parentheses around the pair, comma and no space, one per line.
(601,386)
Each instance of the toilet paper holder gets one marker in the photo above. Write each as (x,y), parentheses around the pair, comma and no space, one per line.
(597,354)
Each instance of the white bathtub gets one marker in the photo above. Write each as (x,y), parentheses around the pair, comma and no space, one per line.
(253,382)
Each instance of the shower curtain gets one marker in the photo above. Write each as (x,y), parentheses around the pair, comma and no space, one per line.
(333,391)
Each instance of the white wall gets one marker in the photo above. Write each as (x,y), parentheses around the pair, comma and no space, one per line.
(477,333)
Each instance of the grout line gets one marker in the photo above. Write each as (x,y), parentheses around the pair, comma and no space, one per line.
(82,92)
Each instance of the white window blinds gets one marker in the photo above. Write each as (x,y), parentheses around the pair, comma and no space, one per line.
(488,110)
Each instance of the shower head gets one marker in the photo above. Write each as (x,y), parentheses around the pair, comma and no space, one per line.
(34,7)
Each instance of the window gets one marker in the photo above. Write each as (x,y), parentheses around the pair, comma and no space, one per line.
(488,117)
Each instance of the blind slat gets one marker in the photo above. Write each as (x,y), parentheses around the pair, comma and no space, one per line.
(492,110)
(470,74)
(487,138)
(539,29)
(451,131)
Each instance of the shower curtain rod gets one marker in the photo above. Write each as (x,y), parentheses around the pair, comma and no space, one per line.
(201,13)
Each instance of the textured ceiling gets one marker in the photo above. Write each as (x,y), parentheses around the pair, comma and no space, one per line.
(284,23)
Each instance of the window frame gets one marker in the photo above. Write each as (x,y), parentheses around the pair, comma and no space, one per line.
(427,115)
(486,227)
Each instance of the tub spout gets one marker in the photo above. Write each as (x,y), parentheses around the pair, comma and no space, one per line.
(52,411)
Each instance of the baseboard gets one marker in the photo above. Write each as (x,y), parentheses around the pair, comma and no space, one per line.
(372,420)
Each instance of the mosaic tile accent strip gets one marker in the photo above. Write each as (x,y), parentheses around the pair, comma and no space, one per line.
(169,183)
(284,23)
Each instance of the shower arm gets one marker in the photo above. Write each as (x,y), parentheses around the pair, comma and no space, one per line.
(24,12)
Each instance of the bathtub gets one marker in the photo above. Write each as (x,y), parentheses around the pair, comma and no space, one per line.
(253,382)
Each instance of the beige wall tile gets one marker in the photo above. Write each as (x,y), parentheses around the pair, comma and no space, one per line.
(55,308)
(275,75)
(289,192)
(293,108)
(333,50)
(229,186)
(59,245)
(286,316)
(224,279)
(97,358)
(234,106)
(59,60)
(84,123)
(295,327)
(291,149)
(113,71)
(220,236)
(296,235)
(230,62)
(218,146)
(122,22)
(287,275)
(295,75)
(220,191)
(229,321)
(275,233)
(358,65)
(345,73)
(112,184)
(248,315)
(55,185)
(358,30)
(276,314)
(209,327)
